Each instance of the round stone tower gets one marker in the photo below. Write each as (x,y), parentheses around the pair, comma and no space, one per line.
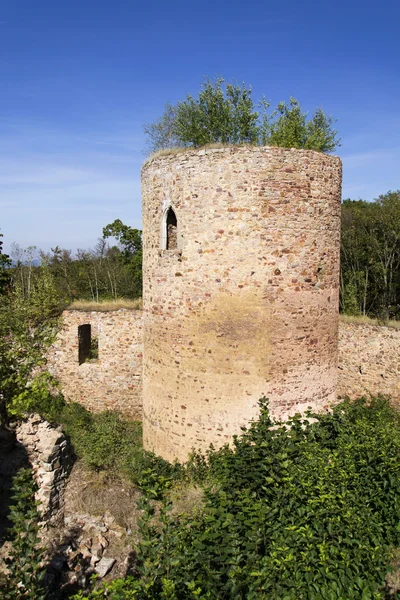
(240,292)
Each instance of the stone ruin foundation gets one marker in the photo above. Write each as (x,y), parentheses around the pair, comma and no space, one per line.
(50,455)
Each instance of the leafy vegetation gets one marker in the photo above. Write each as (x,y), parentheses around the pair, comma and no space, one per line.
(370,257)
(106,272)
(130,241)
(226,113)
(107,442)
(308,509)
(26,561)
(28,325)
(103,440)
(5,264)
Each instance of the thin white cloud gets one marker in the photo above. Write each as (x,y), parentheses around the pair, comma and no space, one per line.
(14,175)
(63,187)
(361,158)
(79,197)
(371,173)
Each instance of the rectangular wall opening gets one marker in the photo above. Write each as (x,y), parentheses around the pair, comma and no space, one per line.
(88,345)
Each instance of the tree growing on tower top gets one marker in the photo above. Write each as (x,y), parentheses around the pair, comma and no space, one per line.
(226,113)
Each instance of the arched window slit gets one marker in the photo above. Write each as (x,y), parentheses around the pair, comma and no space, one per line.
(171,224)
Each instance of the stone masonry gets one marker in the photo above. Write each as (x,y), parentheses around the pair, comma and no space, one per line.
(369,360)
(247,305)
(240,302)
(114,380)
(51,457)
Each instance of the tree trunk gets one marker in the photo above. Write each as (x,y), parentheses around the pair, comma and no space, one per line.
(365,293)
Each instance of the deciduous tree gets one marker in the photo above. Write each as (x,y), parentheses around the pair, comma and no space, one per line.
(5,264)
(226,113)
(130,241)
(28,324)
(370,256)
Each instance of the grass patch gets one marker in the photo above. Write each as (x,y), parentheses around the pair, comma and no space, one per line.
(105,442)
(364,320)
(100,492)
(106,305)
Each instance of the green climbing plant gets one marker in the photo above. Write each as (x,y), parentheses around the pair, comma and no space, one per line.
(26,561)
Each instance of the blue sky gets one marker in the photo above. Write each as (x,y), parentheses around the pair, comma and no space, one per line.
(79,79)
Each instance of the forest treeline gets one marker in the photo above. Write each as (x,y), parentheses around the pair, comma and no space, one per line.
(370,257)
(106,272)
(369,278)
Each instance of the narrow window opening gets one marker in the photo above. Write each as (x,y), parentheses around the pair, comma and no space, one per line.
(88,349)
(172,230)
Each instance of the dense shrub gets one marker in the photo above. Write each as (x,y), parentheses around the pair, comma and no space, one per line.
(106,441)
(26,561)
(103,440)
(303,510)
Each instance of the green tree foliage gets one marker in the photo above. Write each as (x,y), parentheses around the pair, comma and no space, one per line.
(60,263)
(28,324)
(161,134)
(130,241)
(5,264)
(105,272)
(303,510)
(226,113)
(26,561)
(94,274)
(370,256)
(291,129)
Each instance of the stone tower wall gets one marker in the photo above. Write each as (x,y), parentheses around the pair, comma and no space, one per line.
(369,360)
(114,380)
(248,305)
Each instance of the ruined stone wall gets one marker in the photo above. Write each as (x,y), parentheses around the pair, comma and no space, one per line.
(248,305)
(51,457)
(114,380)
(369,360)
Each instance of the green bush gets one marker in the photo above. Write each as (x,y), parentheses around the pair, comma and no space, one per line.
(307,510)
(103,440)
(106,441)
(25,563)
